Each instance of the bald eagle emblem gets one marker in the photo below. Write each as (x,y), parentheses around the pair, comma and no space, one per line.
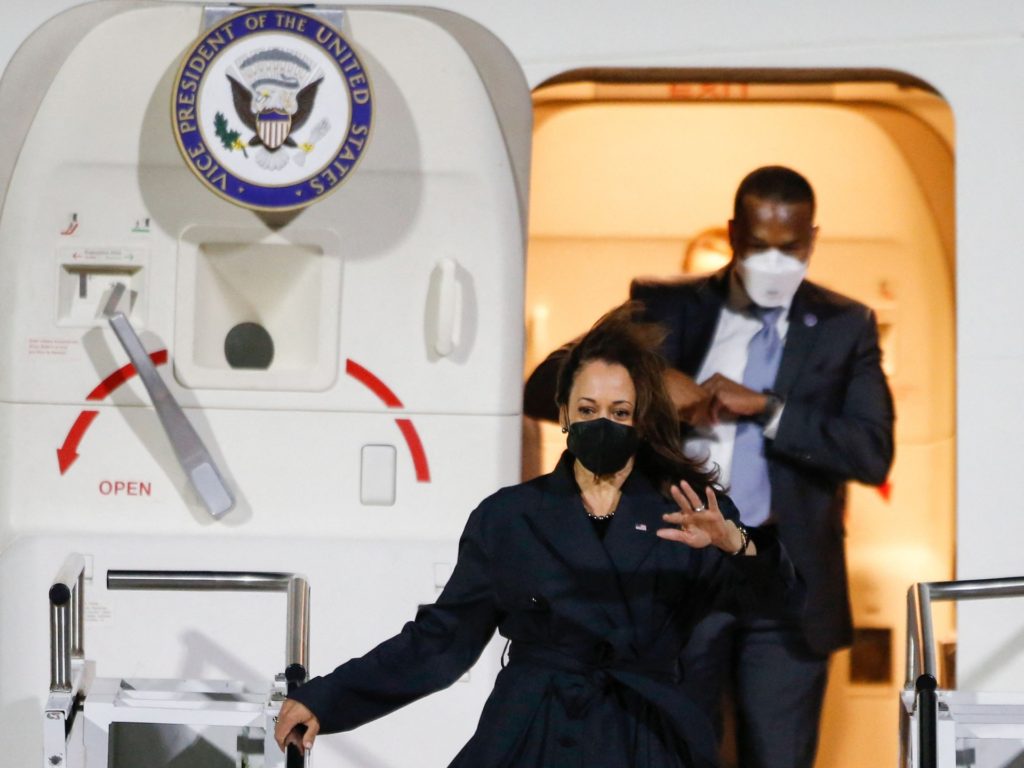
(273,91)
(272,108)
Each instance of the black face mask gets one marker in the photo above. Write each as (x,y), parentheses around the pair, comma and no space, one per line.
(601,445)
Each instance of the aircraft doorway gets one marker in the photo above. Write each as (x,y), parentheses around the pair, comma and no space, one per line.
(634,170)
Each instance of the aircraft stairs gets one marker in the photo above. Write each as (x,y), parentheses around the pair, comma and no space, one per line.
(109,722)
(949,728)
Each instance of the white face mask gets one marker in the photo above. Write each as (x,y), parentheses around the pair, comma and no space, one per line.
(771,277)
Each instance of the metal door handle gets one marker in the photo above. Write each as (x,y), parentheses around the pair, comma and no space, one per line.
(192,454)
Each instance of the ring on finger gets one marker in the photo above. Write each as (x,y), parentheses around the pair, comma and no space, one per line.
(701,508)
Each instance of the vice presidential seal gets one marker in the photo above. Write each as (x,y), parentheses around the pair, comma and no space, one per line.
(272,108)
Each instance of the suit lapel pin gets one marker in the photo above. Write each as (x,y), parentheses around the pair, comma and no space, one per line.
(641,526)
(810,320)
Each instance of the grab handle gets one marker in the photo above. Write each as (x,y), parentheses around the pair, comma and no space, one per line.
(66,621)
(447,307)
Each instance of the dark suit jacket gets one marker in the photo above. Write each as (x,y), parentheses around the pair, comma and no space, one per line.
(837,424)
(595,629)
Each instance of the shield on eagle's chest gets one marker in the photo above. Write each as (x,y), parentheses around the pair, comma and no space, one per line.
(273,127)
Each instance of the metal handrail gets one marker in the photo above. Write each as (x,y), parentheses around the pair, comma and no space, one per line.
(920,633)
(921,656)
(297,640)
(66,621)
(296,587)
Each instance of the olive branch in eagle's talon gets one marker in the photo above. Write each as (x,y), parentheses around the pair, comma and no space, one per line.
(230,139)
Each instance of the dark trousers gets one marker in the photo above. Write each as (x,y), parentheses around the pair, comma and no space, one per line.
(777,686)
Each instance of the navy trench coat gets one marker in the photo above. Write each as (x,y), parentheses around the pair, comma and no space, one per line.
(595,629)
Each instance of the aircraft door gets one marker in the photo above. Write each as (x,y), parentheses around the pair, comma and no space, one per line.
(323,263)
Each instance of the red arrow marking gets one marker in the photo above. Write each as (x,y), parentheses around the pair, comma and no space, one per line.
(885,490)
(378,387)
(390,399)
(419,456)
(121,375)
(68,452)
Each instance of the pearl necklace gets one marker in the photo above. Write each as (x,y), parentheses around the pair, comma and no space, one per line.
(593,516)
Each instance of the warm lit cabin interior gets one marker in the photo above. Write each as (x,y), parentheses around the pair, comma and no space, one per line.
(634,174)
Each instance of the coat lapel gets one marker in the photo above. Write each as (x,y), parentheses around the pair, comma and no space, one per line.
(632,543)
(603,569)
(632,534)
(700,319)
(805,316)
(561,523)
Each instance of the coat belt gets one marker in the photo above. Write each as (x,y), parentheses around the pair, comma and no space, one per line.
(580,676)
(579,679)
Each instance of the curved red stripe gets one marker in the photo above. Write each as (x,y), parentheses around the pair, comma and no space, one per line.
(419,456)
(390,399)
(121,375)
(378,387)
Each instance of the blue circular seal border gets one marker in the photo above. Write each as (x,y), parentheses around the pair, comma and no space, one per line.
(189,136)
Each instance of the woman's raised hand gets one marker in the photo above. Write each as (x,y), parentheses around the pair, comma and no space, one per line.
(697,524)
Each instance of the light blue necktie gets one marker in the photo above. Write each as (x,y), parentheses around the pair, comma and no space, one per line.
(749,486)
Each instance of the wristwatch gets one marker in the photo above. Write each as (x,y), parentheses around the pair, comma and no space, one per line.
(772,406)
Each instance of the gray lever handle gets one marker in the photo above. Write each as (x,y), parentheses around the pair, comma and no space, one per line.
(192,454)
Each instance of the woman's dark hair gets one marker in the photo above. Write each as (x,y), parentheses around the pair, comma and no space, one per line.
(620,338)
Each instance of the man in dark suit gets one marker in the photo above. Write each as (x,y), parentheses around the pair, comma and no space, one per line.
(780,382)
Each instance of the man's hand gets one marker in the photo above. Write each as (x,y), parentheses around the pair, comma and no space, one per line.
(730,401)
(692,402)
(296,725)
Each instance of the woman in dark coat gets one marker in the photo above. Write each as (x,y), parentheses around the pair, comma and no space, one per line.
(595,573)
